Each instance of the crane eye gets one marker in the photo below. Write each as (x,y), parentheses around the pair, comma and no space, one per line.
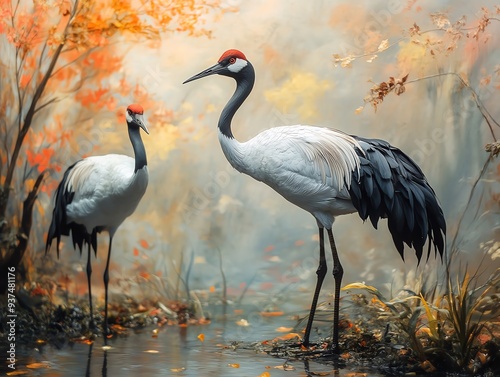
(232,60)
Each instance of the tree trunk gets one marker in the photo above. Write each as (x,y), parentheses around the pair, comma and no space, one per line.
(14,258)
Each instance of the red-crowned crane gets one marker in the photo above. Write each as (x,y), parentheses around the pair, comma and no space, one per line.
(98,193)
(329,173)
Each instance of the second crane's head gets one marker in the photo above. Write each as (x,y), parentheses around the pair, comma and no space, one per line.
(135,117)
(232,63)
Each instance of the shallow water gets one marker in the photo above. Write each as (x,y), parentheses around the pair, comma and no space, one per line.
(176,351)
(173,354)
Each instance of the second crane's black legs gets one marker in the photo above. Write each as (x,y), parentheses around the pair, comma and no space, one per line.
(321,272)
(338,273)
(89,274)
(106,281)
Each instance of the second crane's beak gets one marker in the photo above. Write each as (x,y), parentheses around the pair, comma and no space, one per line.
(207,72)
(139,119)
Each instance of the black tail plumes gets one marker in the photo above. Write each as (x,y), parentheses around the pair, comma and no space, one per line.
(390,185)
(59,225)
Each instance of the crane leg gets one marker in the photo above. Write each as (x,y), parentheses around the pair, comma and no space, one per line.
(89,274)
(106,281)
(321,273)
(338,272)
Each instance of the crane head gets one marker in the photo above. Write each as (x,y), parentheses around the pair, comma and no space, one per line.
(230,64)
(135,118)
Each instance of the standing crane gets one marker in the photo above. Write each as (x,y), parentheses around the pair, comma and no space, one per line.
(98,193)
(329,173)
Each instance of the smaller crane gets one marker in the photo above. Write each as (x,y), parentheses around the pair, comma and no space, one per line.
(97,194)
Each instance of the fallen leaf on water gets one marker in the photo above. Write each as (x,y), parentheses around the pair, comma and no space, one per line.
(201,337)
(288,336)
(242,322)
(269,248)
(177,370)
(155,333)
(285,367)
(82,340)
(106,348)
(17,373)
(37,365)
(265,374)
(235,365)
(118,327)
(356,374)
(151,351)
(204,321)
(238,311)
(272,314)
(212,289)
(284,329)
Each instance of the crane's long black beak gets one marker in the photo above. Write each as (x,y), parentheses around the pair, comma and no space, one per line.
(207,72)
(138,118)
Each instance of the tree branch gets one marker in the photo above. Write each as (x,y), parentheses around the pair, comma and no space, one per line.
(453,247)
(29,118)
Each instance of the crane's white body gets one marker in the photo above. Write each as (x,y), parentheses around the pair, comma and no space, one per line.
(106,189)
(309,166)
(329,173)
(98,193)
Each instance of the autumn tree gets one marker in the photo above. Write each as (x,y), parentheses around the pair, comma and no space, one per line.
(54,51)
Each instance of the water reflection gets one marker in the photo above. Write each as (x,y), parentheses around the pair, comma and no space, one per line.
(89,361)
(178,351)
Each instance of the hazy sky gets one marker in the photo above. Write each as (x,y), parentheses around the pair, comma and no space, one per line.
(197,204)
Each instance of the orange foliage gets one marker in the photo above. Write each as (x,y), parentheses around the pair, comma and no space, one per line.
(41,160)
(91,97)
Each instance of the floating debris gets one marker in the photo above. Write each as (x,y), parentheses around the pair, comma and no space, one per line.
(243,322)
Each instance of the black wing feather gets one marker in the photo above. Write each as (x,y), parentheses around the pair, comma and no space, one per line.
(60,226)
(391,185)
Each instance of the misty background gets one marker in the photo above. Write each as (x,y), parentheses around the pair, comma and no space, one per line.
(199,211)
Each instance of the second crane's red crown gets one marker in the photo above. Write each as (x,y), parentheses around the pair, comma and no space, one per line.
(136,108)
(234,53)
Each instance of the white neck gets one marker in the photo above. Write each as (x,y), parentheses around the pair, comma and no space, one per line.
(234,152)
